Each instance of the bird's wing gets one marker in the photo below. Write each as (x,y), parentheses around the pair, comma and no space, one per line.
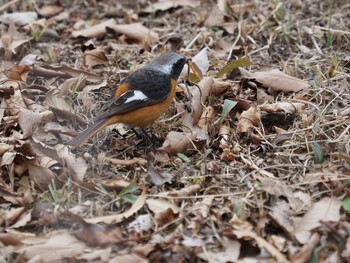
(140,89)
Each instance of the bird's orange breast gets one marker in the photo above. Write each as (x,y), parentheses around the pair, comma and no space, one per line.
(145,116)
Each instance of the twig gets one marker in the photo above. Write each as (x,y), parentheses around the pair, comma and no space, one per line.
(236,40)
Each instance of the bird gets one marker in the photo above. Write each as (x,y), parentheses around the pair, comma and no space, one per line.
(141,98)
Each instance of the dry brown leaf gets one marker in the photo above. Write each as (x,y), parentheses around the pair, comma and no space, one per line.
(305,252)
(262,97)
(186,191)
(327,209)
(42,176)
(19,18)
(50,10)
(203,207)
(283,106)
(54,248)
(164,211)
(142,223)
(242,8)
(15,103)
(96,255)
(248,120)
(262,243)
(9,239)
(165,5)
(97,31)
(346,251)
(72,85)
(129,258)
(220,86)
(10,216)
(230,253)
(94,57)
(17,73)
(277,80)
(23,219)
(157,177)
(177,142)
(29,120)
(136,31)
(96,235)
(127,162)
(64,71)
(120,217)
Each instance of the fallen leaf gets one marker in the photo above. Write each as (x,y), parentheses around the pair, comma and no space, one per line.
(277,80)
(283,106)
(120,217)
(242,62)
(164,211)
(177,142)
(50,10)
(248,119)
(136,31)
(54,248)
(242,8)
(165,5)
(262,243)
(94,57)
(129,258)
(230,252)
(17,73)
(142,223)
(19,18)
(96,235)
(327,209)
(305,252)
(97,31)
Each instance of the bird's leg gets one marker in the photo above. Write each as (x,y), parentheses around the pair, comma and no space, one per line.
(150,138)
(136,133)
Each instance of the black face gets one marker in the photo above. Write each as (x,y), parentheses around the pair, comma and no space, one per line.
(177,67)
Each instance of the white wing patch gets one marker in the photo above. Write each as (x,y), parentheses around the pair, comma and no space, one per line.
(138,95)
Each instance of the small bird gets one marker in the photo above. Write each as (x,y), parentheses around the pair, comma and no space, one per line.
(140,98)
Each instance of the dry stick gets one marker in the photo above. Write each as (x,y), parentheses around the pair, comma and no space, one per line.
(199,196)
(333,30)
(193,41)
(236,40)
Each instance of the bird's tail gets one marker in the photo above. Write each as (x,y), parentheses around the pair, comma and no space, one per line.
(90,131)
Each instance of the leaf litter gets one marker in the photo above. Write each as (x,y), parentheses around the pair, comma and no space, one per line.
(252,162)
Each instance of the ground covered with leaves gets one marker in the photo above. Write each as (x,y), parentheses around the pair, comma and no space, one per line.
(252,159)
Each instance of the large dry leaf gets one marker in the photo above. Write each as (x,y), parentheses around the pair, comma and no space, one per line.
(50,10)
(19,18)
(230,253)
(277,80)
(327,209)
(262,243)
(248,120)
(120,217)
(96,235)
(54,248)
(165,5)
(129,258)
(97,31)
(94,57)
(137,32)
(164,211)
(283,106)
(29,120)
(177,142)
